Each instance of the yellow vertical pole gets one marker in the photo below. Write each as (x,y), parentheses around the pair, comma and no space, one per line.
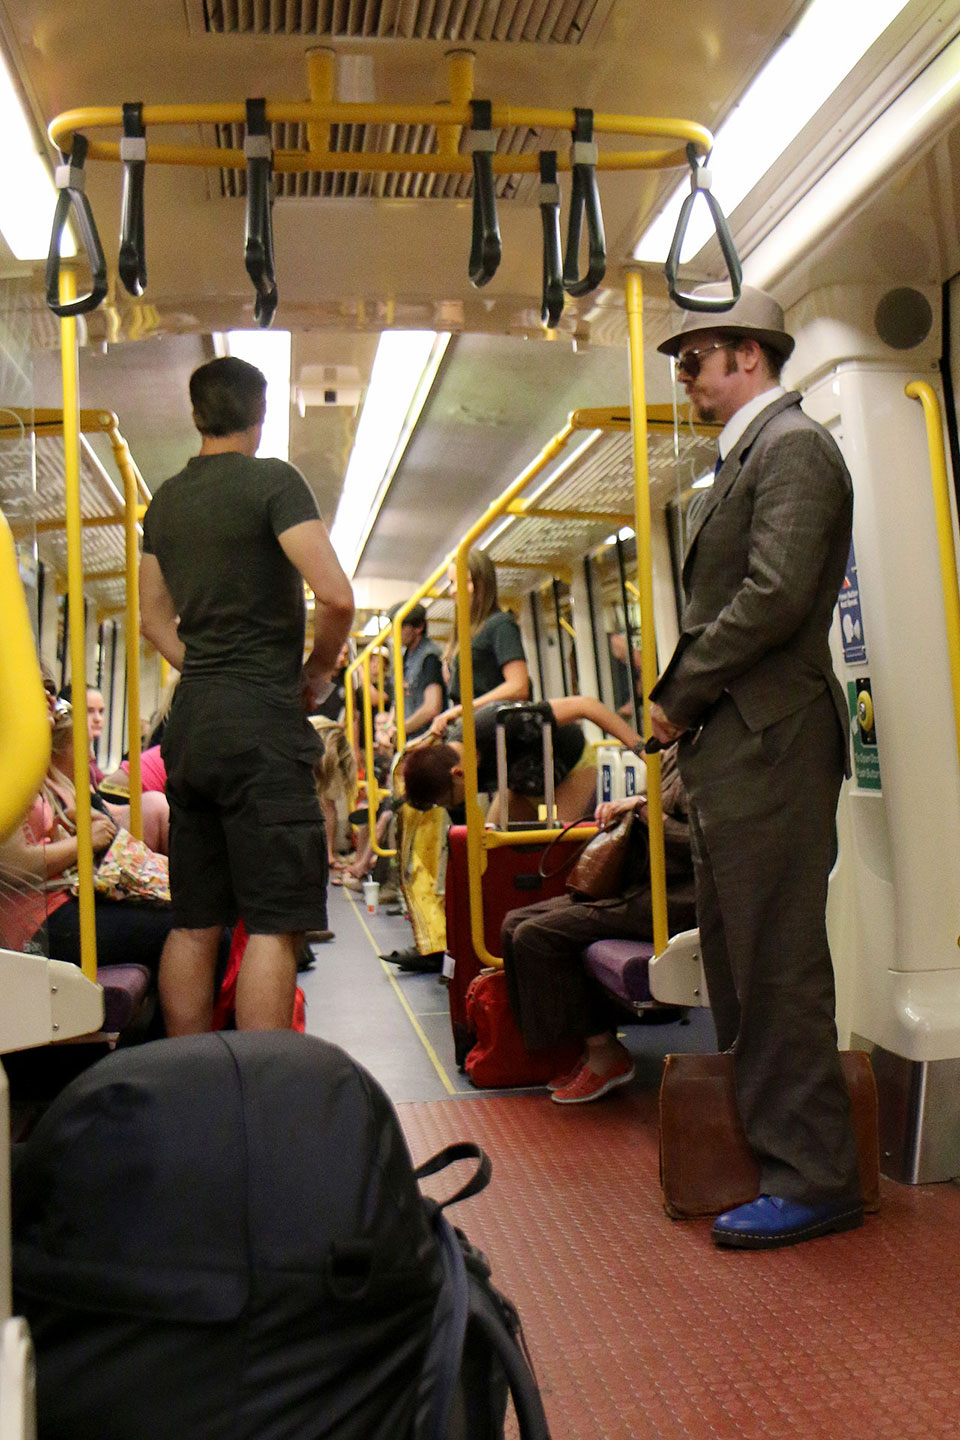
(460,88)
(920,390)
(24,719)
(399,699)
(81,743)
(349,719)
(373,789)
(648,644)
(476,851)
(130,497)
(381,684)
(321,78)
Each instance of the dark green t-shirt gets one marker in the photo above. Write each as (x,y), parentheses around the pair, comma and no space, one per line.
(494,645)
(213,530)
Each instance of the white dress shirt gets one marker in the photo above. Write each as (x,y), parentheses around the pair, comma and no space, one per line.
(739,421)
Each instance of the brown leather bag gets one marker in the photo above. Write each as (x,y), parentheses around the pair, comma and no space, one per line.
(598,872)
(706,1166)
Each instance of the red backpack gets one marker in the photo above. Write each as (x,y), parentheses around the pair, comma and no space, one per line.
(226,1002)
(499,1056)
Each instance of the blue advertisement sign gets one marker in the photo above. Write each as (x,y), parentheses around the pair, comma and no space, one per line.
(851,620)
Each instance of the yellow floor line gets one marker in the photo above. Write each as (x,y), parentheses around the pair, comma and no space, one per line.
(418,1028)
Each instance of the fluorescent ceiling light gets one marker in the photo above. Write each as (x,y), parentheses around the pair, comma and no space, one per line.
(799,77)
(269,350)
(374,625)
(28,196)
(404,369)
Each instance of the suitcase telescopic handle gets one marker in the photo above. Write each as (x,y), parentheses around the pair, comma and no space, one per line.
(504,713)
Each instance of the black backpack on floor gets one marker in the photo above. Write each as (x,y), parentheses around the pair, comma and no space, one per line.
(223,1237)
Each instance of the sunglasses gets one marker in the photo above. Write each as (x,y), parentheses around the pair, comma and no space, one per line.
(690,363)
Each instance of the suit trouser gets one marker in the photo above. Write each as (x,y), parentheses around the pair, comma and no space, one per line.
(763,837)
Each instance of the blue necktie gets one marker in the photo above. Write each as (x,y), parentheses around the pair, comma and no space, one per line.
(716,468)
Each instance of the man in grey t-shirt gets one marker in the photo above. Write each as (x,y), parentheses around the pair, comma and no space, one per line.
(227,546)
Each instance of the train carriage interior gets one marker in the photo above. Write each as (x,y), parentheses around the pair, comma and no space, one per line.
(459,321)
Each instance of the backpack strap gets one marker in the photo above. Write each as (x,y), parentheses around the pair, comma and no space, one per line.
(441,1363)
(486,1315)
(463,1150)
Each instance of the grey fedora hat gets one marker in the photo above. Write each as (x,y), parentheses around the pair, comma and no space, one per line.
(755,316)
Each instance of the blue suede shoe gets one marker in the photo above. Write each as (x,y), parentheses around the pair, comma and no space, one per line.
(770,1221)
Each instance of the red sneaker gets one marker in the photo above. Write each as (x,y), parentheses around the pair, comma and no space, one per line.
(588,1085)
(560,1082)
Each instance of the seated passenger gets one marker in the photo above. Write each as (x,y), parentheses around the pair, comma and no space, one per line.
(153,775)
(95,713)
(38,912)
(552,996)
(433,774)
(155,810)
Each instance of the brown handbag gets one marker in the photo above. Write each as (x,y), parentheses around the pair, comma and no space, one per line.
(598,872)
(706,1165)
(597,867)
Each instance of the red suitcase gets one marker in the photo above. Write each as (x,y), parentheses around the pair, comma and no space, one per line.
(512,879)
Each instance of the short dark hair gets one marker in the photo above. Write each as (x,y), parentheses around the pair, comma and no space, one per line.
(427,775)
(228,395)
(417,617)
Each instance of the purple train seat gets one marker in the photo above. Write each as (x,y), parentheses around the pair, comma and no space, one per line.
(124,991)
(620,966)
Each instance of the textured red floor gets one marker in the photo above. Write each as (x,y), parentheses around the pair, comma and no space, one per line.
(640,1327)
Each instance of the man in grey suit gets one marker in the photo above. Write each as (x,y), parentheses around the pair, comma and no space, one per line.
(750,691)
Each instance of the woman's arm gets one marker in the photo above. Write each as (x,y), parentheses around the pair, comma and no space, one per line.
(515,685)
(585,707)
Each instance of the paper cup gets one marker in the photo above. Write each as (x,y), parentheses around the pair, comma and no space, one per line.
(371,895)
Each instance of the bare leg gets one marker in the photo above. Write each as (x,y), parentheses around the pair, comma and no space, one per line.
(576,794)
(268,982)
(330,825)
(187,968)
(605,1053)
(155,810)
(519,807)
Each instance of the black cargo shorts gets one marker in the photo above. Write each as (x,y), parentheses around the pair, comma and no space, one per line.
(247,838)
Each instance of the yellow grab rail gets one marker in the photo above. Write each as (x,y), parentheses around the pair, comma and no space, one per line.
(920,390)
(372,785)
(104,422)
(78,660)
(476,834)
(399,699)
(640,419)
(24,719)
(450,117)
(648,643)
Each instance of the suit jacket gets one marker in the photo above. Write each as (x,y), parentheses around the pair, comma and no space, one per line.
(765,560)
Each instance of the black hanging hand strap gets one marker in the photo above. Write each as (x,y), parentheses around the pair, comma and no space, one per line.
(258,242)
(464,1150)
(700,181)
(70,180)
(584,199)
(132,260)
(552,296)
(485,246)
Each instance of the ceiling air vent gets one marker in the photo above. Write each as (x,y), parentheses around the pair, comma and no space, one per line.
(544,22)
(379,139)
